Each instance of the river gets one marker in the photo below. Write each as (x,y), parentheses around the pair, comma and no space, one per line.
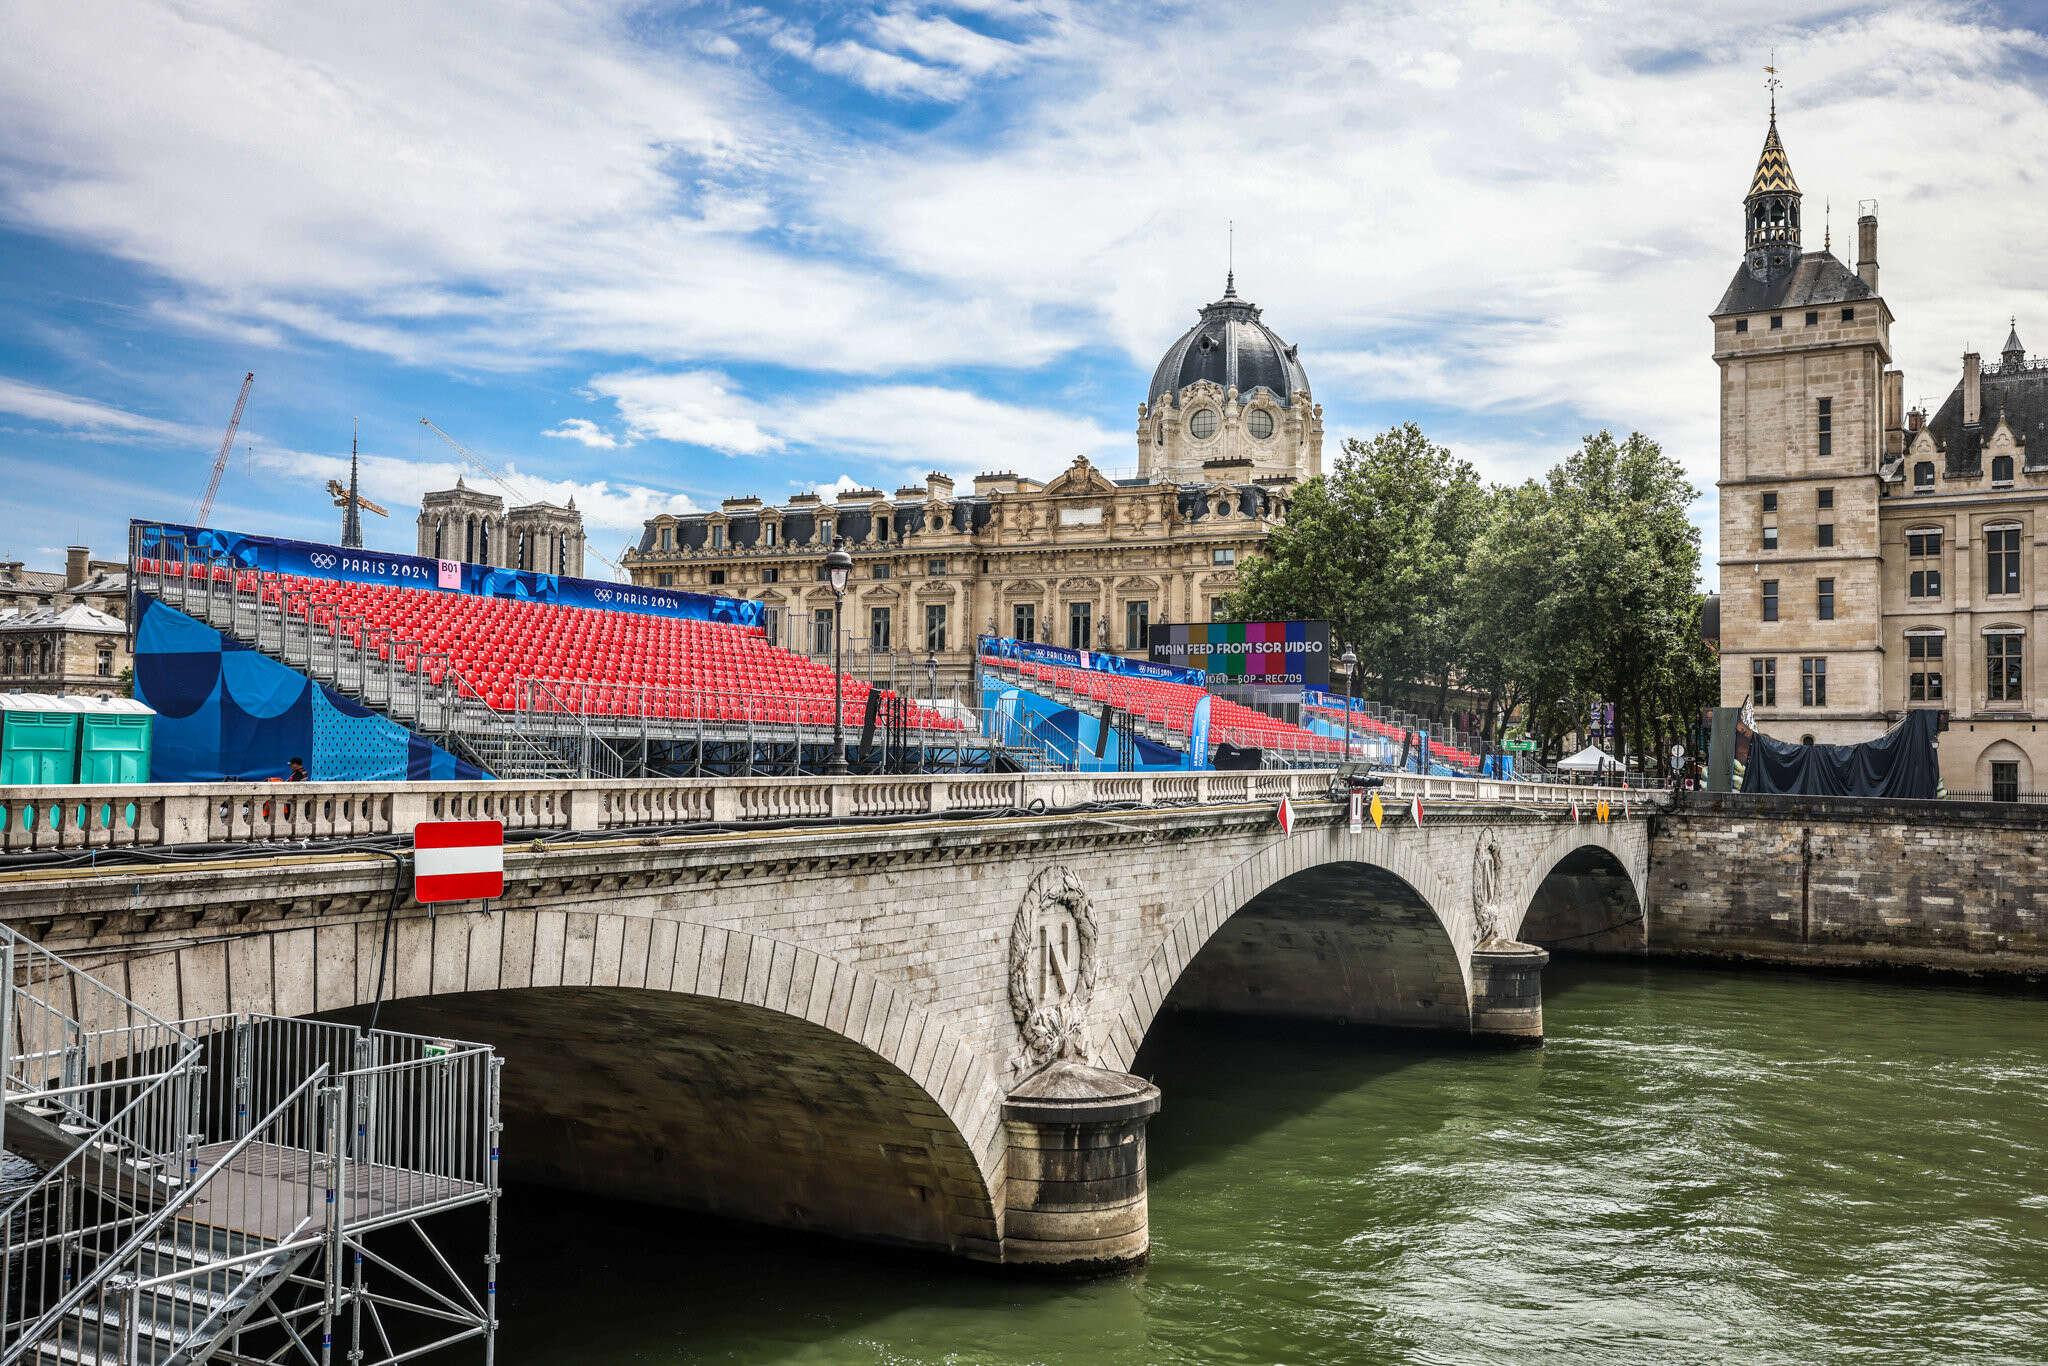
(1698,1167)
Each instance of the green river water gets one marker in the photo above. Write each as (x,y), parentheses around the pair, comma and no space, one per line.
(1699,1167)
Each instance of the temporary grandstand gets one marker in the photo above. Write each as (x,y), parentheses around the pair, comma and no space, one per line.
(255,650)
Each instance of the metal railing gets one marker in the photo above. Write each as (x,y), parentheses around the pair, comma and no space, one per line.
(186,1170)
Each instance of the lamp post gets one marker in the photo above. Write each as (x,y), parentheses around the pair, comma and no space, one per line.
(838,565)
(931,674)
(1347,664)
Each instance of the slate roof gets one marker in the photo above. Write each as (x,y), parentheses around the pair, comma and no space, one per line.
(2019,397)
(77,617)
(1230,347)
(1818,279)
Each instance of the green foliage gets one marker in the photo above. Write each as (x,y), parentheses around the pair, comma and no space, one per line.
(1540,597)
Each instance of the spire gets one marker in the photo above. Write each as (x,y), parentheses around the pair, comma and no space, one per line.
(1773,167)
(2015,355)
(1230,263)
(1771,236)
(352,513)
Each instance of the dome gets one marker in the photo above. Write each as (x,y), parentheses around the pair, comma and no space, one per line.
(1231,347)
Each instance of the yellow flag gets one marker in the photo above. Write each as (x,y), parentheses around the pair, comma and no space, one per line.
(1603,808)
(1379,813)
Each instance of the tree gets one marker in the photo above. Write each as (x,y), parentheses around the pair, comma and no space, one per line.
(1377,548)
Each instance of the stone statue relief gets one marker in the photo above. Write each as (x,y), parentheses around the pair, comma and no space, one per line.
(1489,876)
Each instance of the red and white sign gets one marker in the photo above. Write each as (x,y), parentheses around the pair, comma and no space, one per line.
(1286,814)
(1357,811)
(458,860)
(1415,809)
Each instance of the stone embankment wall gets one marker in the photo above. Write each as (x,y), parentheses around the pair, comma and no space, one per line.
(1950,887)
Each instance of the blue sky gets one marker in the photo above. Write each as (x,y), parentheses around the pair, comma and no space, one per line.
(653,256)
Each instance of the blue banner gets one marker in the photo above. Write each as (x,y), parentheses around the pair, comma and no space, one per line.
(1198,733)
(1101,662)
(278,556)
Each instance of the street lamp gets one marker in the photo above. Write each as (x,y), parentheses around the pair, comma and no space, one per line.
(1347,665)
(838,564)
(931,674)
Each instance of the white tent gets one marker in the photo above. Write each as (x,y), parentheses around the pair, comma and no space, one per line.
(1591,759)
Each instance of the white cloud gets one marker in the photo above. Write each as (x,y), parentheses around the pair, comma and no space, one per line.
(73,413)
(907,429)
(582,429)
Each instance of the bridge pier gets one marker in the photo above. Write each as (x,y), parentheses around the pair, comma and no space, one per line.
(1076,1174)
(1507,993)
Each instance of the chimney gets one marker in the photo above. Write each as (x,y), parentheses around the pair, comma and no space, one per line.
(1866,250)
(1894,399)
(1916,419)
(1973,391)
(76,558)
(941,485)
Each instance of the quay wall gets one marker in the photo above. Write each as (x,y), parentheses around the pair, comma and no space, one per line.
(1943,887)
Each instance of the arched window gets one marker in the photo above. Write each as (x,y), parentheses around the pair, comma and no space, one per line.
(1923,477)
(2001,469)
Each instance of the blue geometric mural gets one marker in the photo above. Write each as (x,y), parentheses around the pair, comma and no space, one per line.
(226,712)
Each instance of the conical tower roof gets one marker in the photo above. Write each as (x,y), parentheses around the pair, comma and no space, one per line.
(2012,338)
(1773,168)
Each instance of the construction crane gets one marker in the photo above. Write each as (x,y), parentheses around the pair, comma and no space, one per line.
(220,462)
(341,497)
(506,482)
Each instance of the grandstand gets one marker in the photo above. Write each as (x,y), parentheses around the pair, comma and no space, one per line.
(510,685)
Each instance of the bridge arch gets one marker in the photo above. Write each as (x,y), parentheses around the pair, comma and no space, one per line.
(653,1058)
(1586,889)
(1391,867)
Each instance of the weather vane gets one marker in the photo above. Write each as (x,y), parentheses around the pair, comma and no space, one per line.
(1772,83)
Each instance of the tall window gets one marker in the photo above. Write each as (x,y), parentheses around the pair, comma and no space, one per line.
(1826,428)
(769,533)
(718,538)
(822,626)
(2001,469)
(1813,682)
(1024,622)
(1923,658)
(1770,599)
(935,628)
(1770,538)
(882,527)
(1827,599)
(1763,682)
(1824,535)
(667,540)
(1923,563)
(106,663)
(1079,621)
(1137,625)
(1923,477)
(878,628)
(2004,674)
(2002,559)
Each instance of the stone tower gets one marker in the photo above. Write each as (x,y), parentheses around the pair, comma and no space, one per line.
(1229,401)
(1803,343)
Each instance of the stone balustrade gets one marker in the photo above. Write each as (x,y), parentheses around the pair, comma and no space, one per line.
(61,817)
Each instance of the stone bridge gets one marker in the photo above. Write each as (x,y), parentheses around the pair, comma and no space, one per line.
(901,1009)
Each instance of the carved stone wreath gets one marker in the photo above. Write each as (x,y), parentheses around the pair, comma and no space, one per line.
(1489,874)
(1051,1030)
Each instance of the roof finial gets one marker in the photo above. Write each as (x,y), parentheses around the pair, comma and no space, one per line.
(1230,261)
(1827,225)
(1772,83)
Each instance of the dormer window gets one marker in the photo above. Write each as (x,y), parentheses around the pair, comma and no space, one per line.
(2001,469)
(769,533)
(1923,477)
(717,537)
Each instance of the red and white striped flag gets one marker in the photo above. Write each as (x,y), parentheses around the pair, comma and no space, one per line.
(458,860)
(1415,809)
(1286,815)
(1575,811)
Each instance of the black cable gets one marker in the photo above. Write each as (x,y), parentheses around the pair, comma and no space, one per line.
(384,948)
(1636,919)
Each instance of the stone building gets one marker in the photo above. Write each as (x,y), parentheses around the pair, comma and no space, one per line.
(1082,560)
(1874,559)
(99,584)
(465,524)
(72,650)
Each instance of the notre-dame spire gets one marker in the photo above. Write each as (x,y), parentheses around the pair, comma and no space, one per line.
(352,514)
(1771,209)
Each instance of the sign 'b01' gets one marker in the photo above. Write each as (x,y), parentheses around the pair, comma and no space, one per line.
(458,860)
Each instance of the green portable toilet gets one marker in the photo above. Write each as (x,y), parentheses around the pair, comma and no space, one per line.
(113,739)
(38,738)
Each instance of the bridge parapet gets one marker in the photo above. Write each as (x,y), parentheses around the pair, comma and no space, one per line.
(62,817)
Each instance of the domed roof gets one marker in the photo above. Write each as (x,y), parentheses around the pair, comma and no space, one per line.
(1233,348)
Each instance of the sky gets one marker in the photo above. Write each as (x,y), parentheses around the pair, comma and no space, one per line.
(652,256)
